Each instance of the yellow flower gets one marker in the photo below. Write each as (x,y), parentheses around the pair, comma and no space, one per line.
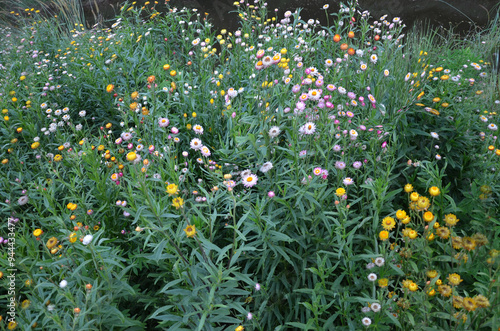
(451,219)
(383,282)
(72,237)
(445,77)
(456,242)
(414,197)
(458,301)
(239,328)
(413,287)
(431,292)
(383,235)
(340,191)
(131,156)
(469,304)
(51,243)
(177,202)
(190,231)
(25,304)
(431,273)
(445,290)
(468,243)
(406,283)
(400,214)
(412,234)
(443,232)
(480,239)
(454,279)
(37,232)
(172,189)
(388,223)
(406,220)
(485,188)
(408,188)
(110,88)
(12,325)
(481,301)
(57,158)
(434,191)
(35,145)
(423,203)
(428,216)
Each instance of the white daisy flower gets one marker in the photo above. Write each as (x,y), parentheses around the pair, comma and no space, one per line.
(205,151)
(198,129)
(196,144)
(249,180)
(274,132)
(379,261)
(266,167)
(375,307)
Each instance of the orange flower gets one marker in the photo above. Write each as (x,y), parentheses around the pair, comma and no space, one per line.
(110,88)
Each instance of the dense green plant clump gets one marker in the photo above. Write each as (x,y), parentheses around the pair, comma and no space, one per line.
(284,176)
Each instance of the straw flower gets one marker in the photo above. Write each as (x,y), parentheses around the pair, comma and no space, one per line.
(388,223)
(434,191)
(451,219)
(469,304)
(190,231)
(454,279)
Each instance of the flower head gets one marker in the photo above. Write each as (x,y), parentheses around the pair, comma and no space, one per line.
(177,202)
(249,180)
(451,219)
(87,239)
(434,191)
(348,181)
(190,231)
(274,132)
(388,223)
(172,189)
(454,279)
(379,261)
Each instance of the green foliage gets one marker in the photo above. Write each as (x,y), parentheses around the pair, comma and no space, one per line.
(265,178)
